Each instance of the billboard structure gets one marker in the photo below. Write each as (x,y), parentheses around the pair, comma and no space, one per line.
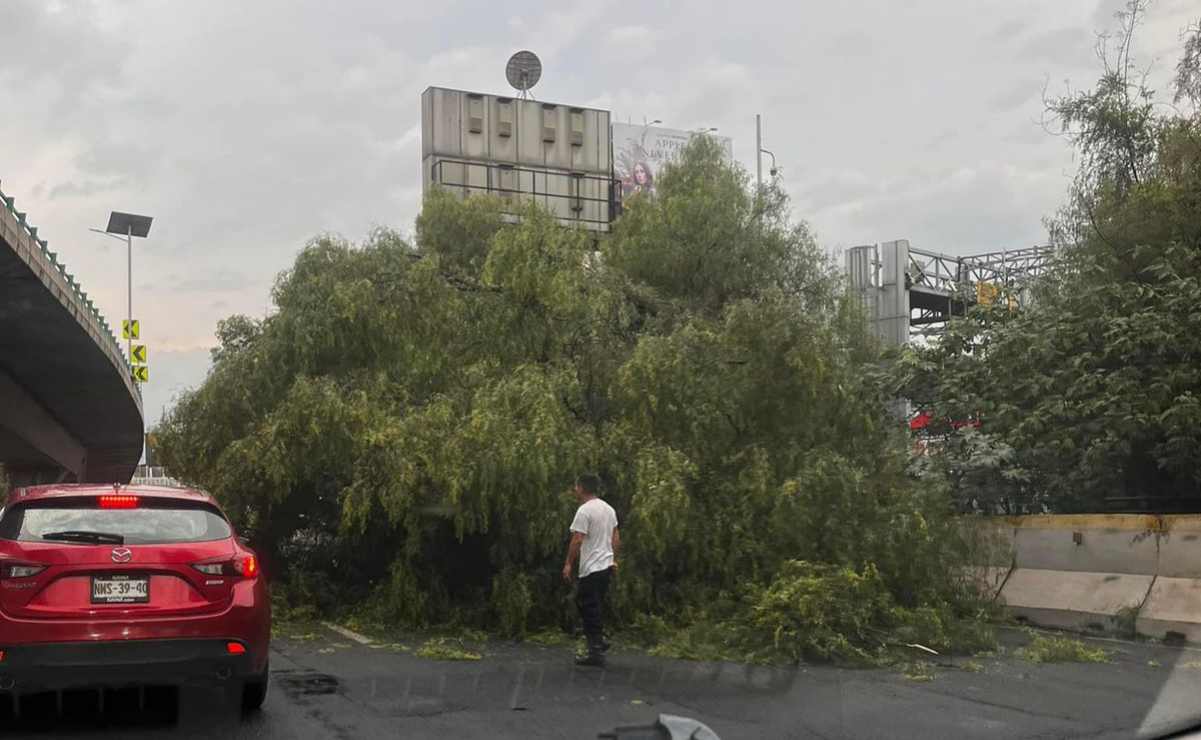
(640,152)
(524,151)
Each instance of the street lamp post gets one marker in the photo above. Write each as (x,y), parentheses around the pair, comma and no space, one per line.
(758,152)
(774,170)
(125,226)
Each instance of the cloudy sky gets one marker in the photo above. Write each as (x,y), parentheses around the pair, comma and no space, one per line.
(245,128)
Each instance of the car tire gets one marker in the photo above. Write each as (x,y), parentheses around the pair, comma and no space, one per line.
(254,691)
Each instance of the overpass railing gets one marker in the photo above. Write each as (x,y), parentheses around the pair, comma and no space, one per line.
(52,271)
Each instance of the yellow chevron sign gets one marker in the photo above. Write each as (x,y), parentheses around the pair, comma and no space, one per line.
(141,373)
(139,354)
(131,330)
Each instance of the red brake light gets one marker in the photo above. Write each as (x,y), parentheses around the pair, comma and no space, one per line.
(235,648)
(249,566)
(246,566)
(118,501)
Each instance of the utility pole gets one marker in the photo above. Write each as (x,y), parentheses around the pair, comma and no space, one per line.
(758,153)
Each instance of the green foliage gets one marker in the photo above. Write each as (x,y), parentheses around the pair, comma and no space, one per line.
(235,334)
(1044,649)
(920,671)
(822,611)
(1126,621)
(550,638)
(446,648)
(459,236)
(706,240)
(704,641)
(1091,393)
(512,601)
(408,422)
(1188,69)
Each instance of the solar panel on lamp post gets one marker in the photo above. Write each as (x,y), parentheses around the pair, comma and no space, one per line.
(126,226)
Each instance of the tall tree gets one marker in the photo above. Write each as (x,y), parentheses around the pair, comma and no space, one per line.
(1093,392)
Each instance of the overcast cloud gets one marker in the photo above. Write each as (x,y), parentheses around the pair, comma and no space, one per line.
(245,128)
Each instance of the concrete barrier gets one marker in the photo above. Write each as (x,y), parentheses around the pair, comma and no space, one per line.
(1172,609)
(1097,572)
(1180,547)
(1088,543)
(1100,602)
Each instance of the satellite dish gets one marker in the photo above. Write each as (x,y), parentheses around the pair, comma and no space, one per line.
(523,70)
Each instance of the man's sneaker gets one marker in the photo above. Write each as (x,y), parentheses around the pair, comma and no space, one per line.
(591,659)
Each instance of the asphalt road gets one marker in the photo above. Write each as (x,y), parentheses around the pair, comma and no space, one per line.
(333,687)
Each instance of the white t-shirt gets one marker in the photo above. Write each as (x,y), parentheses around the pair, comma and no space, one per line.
(596,520)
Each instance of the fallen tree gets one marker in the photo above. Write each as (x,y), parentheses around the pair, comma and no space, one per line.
(401,433)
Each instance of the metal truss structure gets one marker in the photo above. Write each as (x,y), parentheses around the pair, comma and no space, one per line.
(914,292)
(942,272)
(941,286)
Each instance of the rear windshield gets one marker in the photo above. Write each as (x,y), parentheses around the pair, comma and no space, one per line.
(152,523)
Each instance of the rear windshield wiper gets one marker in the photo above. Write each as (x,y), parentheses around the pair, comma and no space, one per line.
(78,535)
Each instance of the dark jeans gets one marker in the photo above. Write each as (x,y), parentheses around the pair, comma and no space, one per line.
(589,595)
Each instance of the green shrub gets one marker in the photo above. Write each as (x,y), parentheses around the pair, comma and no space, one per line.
(446,648)
(1043,649)
(550,638)
(817,611)
(813,611)
(1126,620)
(512,600)
(919,670)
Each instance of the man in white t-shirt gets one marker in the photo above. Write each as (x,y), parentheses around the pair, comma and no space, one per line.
(595,541)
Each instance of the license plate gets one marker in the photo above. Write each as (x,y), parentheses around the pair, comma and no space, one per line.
(120,589)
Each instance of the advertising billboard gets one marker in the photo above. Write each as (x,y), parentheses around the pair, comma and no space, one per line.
(640,152)
(522,151)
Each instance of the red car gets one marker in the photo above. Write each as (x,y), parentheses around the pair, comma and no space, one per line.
(110,587)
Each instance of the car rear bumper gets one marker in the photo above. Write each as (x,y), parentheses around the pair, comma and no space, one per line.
(58,666)
(131,641)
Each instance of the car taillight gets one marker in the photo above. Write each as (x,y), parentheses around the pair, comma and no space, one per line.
(246,566)
(118,501)
(235,648)
(20,570)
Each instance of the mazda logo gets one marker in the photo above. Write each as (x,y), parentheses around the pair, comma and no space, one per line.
(122,555)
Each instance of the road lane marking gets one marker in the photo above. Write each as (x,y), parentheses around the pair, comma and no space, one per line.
(348,634)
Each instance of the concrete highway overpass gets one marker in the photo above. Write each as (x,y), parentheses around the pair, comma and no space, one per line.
(69,408)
